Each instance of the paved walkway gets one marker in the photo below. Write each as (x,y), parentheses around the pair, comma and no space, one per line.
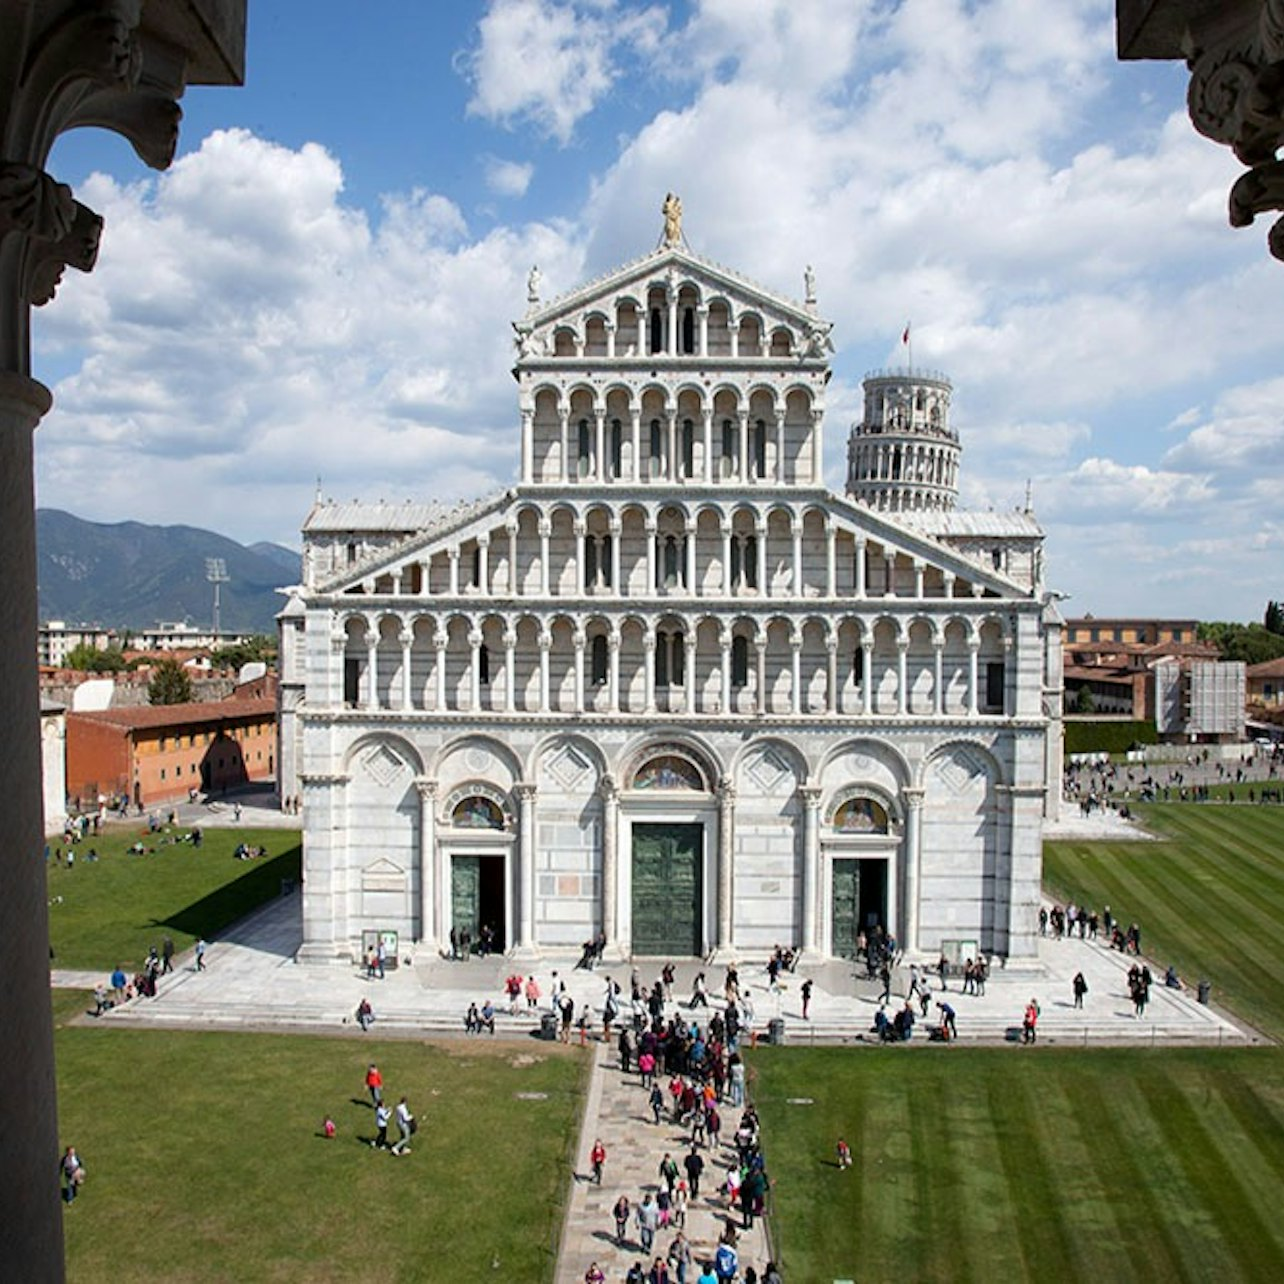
(617,1112)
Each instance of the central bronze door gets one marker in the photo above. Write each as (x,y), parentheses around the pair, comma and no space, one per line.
(667,889)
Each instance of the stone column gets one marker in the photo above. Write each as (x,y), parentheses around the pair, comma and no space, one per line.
(425,577)
(578,638)
(672,347)
(429,928)
(973,647)
(724,640)
(707,417)
(689,570)
(648,644)
(671,469)
(795,687)
(726,559)
(831,678)
(440,641)
(689,669)
(913,855)
(760,529)
(831,560)
(510,670)
(867,684)
(528,446)
(610,340)
(635,418)
(861,546)
(617,528)
(564,425)
(796,575)
(613,651)
(610,796)
(514,584)
(483,564)
(406,638)
(527,876)
(744,446)
(545,646)
(726,855)
(579,529)
(902,676)
(780,448)
(32,1232)
(702,316)
(545,529)
(650,528)
(810,795)
(761,647)
(919,571)
(938,673)
(817,447)
(372,668)
(474,667)
(599,470)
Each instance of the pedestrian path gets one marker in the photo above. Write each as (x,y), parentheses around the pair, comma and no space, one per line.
(616,1111)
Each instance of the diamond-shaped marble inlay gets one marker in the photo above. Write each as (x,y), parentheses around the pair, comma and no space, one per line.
(382,766)
(568,767)
(768,769)
(959,769)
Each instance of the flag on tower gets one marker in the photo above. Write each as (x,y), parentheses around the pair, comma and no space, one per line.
(905,335)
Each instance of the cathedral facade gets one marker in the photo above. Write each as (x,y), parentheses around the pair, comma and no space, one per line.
(668,687)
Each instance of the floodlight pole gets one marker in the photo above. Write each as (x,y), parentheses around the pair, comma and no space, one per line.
(216,573)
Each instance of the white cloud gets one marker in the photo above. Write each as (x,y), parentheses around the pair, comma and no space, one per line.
(506,177)
(551,62)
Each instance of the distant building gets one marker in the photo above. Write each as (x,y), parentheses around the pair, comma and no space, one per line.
(1200,700)
(56,639)
(1265,684)
(156,753)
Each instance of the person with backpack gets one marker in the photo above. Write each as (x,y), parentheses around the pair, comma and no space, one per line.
(1080,984)
(726,1262)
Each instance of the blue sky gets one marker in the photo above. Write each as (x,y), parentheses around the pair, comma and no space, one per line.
(322,284)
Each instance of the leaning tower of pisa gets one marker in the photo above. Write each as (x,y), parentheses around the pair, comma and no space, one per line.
(903,456)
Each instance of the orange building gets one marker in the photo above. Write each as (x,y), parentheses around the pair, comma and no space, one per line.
(156,753)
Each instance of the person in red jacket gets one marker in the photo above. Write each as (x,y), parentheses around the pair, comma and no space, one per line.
(598,1158)
(374,1082)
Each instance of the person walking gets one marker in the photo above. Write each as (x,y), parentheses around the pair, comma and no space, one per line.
(694,1164)
(73,1174)
(806,999)
(648,1218)
(668,1172)
(374,1085)
(1030,1022)
(405,1126)
(1080,989)
(680,1257)
(594,1274)
(597,1158)
(200,954)
(383,1115)
(167,955)
(621,1213)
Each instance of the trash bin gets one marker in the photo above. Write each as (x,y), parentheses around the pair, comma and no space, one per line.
(547,1026)
(1204,990)
(776,1030)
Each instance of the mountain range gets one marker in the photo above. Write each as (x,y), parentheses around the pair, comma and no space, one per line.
(130,575)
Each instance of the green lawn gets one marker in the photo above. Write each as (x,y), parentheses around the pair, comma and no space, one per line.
(1001,1164)
(1209,898)
(112,909)
(205,1162)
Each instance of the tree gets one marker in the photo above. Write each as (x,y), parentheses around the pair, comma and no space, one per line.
(1085,701)
(1274,618)
(89,659)
(170,684)
(260,647)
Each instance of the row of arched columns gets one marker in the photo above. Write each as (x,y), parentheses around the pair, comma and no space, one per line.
(922,665)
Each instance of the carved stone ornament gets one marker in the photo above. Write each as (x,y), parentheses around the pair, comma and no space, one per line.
(1236,97)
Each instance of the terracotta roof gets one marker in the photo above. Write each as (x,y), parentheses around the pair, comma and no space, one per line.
(1268,668)
(151,716)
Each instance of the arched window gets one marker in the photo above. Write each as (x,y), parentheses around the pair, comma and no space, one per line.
(657,447)
(657,330)
(600,663)
(688,448)
(760,450)
(858,666)
(483,664)
(729,447)
(688,330)
(352,552)
(585,447)
(740,662)
(617,446)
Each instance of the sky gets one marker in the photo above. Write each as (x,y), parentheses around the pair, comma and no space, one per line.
(320,289)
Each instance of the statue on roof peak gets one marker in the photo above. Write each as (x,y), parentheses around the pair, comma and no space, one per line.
(672,211)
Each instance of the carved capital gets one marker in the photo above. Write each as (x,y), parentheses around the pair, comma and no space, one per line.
(608,789)
(427,789)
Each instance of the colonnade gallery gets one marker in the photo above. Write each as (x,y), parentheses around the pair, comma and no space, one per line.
(669,688)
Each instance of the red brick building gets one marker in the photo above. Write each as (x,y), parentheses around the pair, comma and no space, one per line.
(155,753)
